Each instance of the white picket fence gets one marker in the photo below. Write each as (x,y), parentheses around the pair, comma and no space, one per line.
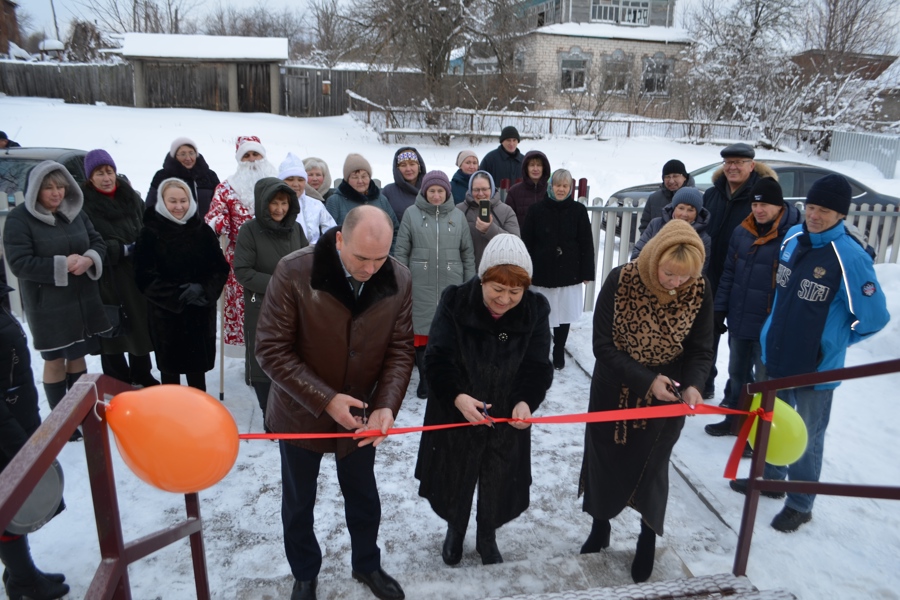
(879,223)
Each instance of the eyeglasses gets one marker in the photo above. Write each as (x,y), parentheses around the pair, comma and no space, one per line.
(736,163)
(186,155)
(363,177)
(481,190)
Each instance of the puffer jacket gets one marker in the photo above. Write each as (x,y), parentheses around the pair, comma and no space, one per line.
(524,194)
(402,194)
(747,286)
(261,243)
(436,245)
(345,199)
(700,224)
(61,308)
(314,340)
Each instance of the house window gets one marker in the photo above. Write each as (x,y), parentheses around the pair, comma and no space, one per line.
(617,72)
(624,12)
(573,68)
(656,75)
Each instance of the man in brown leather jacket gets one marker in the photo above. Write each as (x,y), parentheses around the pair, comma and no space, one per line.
(335,335)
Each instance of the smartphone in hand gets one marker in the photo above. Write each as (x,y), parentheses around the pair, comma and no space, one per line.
(484,210)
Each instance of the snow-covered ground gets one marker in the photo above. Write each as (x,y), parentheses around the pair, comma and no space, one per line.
(849,550)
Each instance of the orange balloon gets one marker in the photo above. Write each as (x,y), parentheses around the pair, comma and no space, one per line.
(175,438)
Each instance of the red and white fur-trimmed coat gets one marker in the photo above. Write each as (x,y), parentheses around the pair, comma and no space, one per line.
(226,215)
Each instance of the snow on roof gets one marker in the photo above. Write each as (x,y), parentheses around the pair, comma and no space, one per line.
(221,47)
(50,44)
(891,76)
(619,32)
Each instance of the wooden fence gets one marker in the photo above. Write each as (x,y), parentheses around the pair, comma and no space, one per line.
(74,83)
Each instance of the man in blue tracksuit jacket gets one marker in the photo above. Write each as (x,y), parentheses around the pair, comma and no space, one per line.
(826,290)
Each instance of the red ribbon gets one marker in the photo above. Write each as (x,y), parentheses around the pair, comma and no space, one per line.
(676,409)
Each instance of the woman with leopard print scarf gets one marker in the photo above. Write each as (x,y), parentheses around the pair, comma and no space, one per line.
(653,333)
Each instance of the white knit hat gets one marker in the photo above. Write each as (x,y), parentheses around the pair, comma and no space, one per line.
(291,166)
(182,141)
(245,144)
(505,249)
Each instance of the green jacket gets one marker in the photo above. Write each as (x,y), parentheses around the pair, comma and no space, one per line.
(436,244)
(261,243)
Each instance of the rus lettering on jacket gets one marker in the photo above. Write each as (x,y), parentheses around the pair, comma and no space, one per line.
(784,274)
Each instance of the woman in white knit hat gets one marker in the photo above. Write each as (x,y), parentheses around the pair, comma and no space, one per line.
(313,217)
(488,356)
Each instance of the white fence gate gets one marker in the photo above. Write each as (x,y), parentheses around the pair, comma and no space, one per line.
(877,149)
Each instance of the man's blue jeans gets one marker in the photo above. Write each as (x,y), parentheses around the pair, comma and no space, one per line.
(744,359)
(814,406)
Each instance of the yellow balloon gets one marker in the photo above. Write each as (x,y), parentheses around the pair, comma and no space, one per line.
(787,437)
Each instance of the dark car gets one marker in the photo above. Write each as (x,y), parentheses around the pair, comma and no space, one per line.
(795,179)
(16,163)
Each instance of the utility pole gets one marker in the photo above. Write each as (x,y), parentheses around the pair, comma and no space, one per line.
(55,24)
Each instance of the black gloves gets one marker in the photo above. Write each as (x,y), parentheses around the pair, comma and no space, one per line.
(193,294)
(719,323)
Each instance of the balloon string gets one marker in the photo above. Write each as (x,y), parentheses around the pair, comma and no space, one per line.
(625,414)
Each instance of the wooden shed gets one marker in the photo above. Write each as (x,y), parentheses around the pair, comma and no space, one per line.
(238,74)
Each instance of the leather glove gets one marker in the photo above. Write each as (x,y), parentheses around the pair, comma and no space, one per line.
(193,294)
(719,323)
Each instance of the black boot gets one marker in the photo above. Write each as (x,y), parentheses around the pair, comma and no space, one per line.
(71,378)
(24,580)
(560,335)
(55,392)
(422,390)
(453,545)
(139,370)
(644,555)
(598,538)
(486,546)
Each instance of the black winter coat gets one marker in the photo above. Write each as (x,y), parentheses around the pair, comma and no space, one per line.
(19,416)
(559,239)
(503,165)
(119,221)
(402,194)
(660,198)
(726,211)
(636,473)
(201,179)
(169,255)
(700,224)
(526,193)
(459,184)
(501,362)
(261,243)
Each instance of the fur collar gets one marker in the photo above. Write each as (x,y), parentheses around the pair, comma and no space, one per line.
(328,276)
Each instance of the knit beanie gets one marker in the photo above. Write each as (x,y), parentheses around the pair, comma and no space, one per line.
(245,144)
(182,141)
(407,154)
(463,155)
(688,195)
(673,233)
(767,190)
(674,167)
(489,178)
(433,178)
(505,249)
(95,159)
(509,132)
(832,191)
(740,150)
(291,166)
(356,162)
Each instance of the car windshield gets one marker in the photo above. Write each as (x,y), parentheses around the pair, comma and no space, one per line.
(13,175)
(703,177)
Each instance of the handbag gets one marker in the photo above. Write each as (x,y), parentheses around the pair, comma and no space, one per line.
(115,313)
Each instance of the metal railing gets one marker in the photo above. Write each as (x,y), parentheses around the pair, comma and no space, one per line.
(756,484)
(22,474)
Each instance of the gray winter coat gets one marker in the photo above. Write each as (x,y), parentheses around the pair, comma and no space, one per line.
(504,222)
(436,245)
(261,243)
(61,308)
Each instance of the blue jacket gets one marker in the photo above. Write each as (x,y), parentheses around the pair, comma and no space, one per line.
(747,286)
(459,185)
(826,290)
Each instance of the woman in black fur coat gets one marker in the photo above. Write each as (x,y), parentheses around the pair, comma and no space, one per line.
(180,267)
(186,163)
(488,354)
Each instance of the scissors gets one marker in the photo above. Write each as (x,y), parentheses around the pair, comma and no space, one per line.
(486,415)
(674,389)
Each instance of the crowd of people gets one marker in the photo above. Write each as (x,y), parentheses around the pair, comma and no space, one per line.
(333,294)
